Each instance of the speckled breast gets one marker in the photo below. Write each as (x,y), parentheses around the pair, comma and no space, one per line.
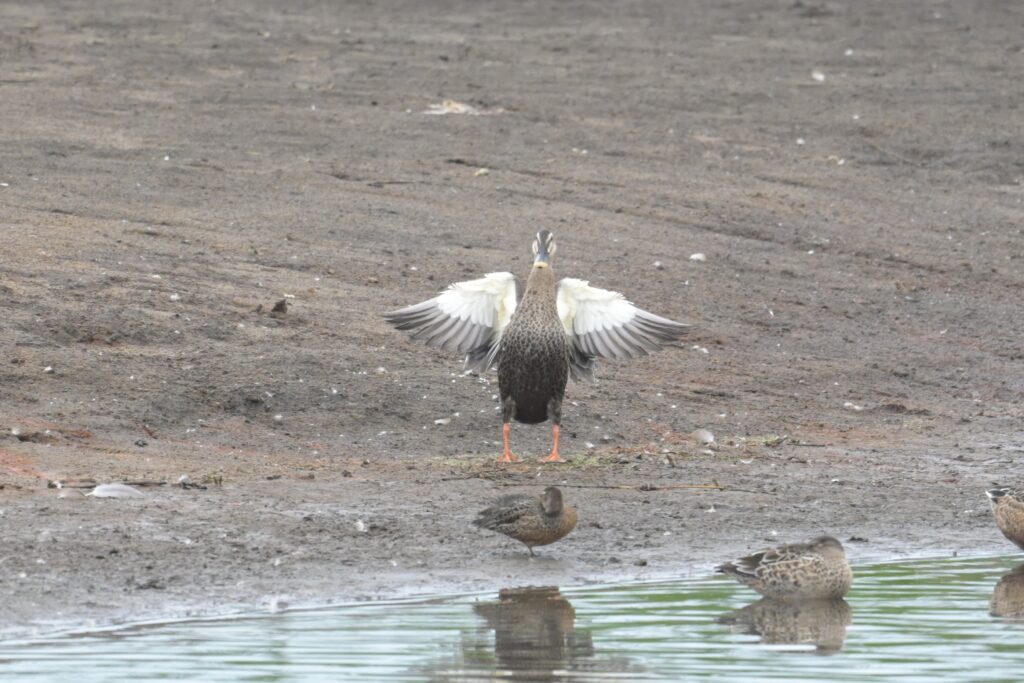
(533,367)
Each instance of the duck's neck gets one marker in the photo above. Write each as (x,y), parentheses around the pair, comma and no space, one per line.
(540,287)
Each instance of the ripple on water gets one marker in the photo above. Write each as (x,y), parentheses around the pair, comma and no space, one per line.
(919,620)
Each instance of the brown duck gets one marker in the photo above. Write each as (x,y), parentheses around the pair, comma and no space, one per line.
(530,519)
(802,571)
(1008,509)
(557,330)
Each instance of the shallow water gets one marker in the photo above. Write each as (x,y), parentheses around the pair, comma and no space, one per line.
(922,620)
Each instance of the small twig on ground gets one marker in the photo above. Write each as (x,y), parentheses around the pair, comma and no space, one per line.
(894,155)
(91,483)
(485,474)
(648,487)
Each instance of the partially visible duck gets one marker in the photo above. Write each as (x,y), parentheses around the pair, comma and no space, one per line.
(531,520)
(555,331)
(801,571)
(1008,509)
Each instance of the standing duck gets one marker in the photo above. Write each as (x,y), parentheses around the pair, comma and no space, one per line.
(555,331)
(802,571)
(529,519)
(1008,509)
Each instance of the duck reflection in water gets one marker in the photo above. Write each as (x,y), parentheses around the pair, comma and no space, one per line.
(535,632)
(821,623)
(1008,597)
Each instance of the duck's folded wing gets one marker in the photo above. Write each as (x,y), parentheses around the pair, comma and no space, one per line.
(468,318)
(506,512)
(602,323)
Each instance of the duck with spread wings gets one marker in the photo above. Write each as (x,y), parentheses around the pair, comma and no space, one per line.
(556,330)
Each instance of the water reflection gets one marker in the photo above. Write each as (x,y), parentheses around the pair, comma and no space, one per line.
(918,620)
(813,622)
(1008,596)
(535,631)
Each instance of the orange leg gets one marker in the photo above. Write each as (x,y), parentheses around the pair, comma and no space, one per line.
(507,455)
(554,457)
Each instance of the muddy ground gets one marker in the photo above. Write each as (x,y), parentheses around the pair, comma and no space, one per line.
(852,171)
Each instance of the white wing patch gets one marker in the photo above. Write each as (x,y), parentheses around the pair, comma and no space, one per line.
(489,301)
(602,323)
(468,317)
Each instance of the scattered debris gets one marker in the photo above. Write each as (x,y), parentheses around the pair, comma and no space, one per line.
(141,443)
(33,435)
(443,421)
(849,405)
(704,436)
(186,483)
(698,257)
(481,171)
(214,479)
(49,370)
(818,75)
(116,491)
(455,107)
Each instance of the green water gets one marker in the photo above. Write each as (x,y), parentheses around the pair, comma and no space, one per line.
(922,620)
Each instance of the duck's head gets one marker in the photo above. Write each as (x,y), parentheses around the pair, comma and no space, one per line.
(543,249)
(994,495)
(551,500)
(827,544)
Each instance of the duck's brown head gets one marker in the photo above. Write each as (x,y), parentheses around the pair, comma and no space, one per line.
(543,249)
(828,544)
(551,501)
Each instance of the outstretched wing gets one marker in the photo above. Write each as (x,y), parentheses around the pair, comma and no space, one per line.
(468,318)
(602,323)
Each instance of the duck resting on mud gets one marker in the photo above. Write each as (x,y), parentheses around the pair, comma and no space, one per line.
(1008,508)
(555,331)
